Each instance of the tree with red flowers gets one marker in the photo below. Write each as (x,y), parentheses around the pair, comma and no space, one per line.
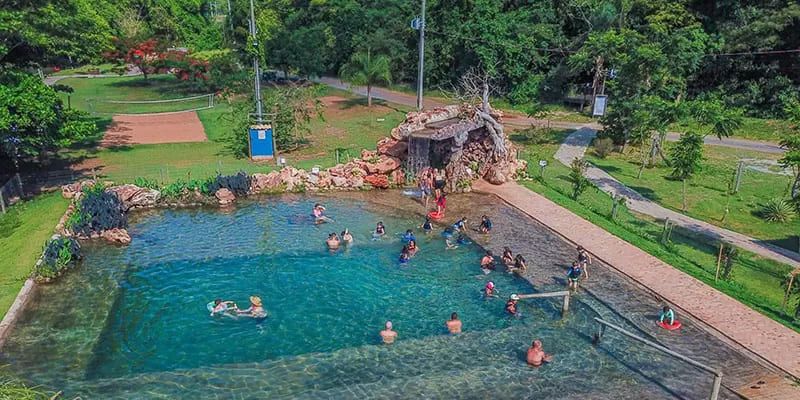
(147,55)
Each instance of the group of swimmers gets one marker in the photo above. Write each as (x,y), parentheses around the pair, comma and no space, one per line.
(229,308)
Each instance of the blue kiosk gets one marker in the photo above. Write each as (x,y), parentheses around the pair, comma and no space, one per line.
(262,142)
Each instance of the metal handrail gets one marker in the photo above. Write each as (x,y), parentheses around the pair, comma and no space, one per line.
(564,293)
(717,373)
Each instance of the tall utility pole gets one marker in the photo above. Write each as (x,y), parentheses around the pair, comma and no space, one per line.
(253,33)
(421,66)
(230,17)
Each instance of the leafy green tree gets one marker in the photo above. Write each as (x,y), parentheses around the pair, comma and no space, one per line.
(366,69)
(577,175)
(33,118)
(791,143)
(686,157)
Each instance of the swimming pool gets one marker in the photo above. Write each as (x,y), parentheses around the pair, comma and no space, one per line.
(132,321)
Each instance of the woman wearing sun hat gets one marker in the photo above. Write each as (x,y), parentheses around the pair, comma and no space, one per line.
(256,310)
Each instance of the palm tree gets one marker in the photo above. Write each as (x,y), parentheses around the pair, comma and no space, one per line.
(366,69)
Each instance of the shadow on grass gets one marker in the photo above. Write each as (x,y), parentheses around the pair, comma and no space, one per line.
(791,242)
(646,192)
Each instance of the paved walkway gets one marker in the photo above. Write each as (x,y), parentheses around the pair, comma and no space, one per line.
(52,79)
(768,339)
(575,146)
(410,100)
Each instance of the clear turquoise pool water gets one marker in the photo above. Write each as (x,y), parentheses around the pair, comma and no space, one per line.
(318,300)
(131,322)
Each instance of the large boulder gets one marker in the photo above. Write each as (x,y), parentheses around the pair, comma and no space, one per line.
(379,181)
(265,182)
(392,147)
(397,177)
(116,236)
(225,197)
(384,166)
(73,190)
(339,182)
(133,196)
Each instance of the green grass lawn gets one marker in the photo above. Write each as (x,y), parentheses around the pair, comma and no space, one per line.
(707,193)
(347,125)
(104,68)
(767,130)
(755,281)
(23,231)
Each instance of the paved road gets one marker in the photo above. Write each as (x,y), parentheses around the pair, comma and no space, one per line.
(755,332)
(522,121)
(575,145)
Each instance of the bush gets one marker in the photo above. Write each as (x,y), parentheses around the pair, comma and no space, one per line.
(97,211)
(603,147)
(60,254)
(146,183)
(577,176)
(239,184)
(778,210)
(180,186)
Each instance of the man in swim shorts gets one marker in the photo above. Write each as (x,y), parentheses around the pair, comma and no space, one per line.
(388,335)
(511,305)
(453,324)
(536,355)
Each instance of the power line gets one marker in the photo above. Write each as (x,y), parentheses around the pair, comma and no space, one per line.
(752,53)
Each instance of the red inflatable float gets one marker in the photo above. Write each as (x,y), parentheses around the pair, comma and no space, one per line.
(675,325)
(435,215)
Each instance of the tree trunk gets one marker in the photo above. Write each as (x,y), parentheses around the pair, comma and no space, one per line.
(369,95)
(684,195)
(796,187)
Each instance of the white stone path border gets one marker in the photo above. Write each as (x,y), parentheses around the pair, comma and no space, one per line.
(574,146)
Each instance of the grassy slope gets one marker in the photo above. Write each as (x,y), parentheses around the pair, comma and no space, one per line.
(755,282)
(768,130)
(707,192)
(23,231)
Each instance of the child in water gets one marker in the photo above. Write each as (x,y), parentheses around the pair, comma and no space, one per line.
(489,290)
(380,230)
(427,226)
(573,274)
(409,236)
(667,315)
(405,255)
(508,257)
(347,238)
(412,248)
(520,265)
(486,224)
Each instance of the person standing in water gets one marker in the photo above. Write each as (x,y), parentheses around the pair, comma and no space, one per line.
(486,225)
(489,290)
(388,335)
(487,262)
(508,257)
(573,275)
(511,305)
(427,226)
(256,310)
(453,324)
(426,186)
(380,230)
(333,241)
(584,259)
(536,355)
(318,212)
(347,238)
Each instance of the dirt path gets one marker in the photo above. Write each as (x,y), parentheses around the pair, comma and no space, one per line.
(179,127)
(575,145)
(768,339)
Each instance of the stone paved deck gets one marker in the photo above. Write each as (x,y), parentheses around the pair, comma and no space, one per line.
(768,339)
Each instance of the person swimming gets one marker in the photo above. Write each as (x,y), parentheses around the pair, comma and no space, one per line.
(221,307)
(486,225)
(573,275)
(667,315)
(536,356)
(487,262)
(347,238)
(508,257)
(489,290)
(380,230)
(256,309)
(405,255)
(412,248)
(427,226)
(511,305)
(453,324)
(333,241)
(409,236)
